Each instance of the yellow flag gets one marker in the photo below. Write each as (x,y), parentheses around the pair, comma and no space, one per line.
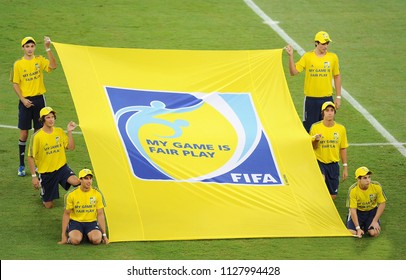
(197,144)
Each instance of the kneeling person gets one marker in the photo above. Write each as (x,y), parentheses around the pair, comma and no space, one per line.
(84,213)
(366,201)
(47,153)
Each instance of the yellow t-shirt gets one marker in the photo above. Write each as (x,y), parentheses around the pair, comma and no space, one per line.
(319,73)
(365,200)
(84,205)
(333,139)
(28,74)
(48,150)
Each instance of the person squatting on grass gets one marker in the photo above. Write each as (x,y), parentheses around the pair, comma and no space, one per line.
(321,68)
(366,201)
(47,152)
(84,213)
(329,140)
(28,83)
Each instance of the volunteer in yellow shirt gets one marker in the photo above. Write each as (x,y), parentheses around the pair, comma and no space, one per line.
(28,83)
(46,152)
(83,217)
(366,201)
(322,67)
(330,144)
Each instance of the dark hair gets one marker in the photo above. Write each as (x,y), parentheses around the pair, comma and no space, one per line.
(322,112)
(29,41)
(42,119)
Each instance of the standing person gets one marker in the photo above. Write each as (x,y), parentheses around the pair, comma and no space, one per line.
(28,83)
(321,68)
(84,213)
(366,201)
(47,152)
(330,143)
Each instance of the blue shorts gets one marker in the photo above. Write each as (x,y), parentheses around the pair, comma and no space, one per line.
(365,218)
(83,227)
(331,172)
(29,116)
(312,110)
(50,181)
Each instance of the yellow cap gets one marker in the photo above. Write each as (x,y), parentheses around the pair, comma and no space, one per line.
(27,39)
(45,111)
(326,104)
(84,173)
(362,171)
(322,37)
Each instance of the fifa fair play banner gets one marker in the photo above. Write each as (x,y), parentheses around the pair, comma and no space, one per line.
(197,144)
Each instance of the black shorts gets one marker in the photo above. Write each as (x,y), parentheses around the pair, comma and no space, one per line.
(365,219)
(83,227)
(50,181)
(312,110)
(331,172)
(27,117)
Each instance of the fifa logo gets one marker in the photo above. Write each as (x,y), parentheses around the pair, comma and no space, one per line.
(195,137)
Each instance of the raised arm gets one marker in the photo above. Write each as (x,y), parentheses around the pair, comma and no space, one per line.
(51,58)
(292,67)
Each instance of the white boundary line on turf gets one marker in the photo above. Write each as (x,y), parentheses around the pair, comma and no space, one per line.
(14,127)
(351,144)
(374,144)
(274,25)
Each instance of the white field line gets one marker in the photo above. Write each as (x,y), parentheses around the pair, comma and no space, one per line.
(371,119)
(374,144)
(351,144)
(14,127)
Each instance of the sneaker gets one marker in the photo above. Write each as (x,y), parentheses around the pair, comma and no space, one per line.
(21,171)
